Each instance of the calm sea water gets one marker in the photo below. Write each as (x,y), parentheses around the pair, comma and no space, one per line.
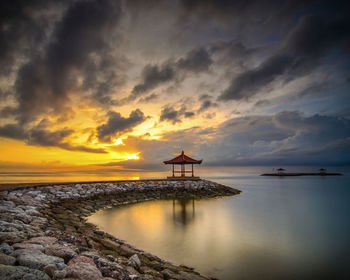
(278,228)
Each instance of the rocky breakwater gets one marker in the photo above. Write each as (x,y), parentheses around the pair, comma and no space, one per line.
(44,233)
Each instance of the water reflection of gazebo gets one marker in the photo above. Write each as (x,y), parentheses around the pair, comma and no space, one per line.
(183,211)
(182,160)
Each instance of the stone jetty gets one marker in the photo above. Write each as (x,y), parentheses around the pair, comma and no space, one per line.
(44,233)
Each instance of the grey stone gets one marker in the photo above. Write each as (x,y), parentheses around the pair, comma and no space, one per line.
(60,274)
(61,266)
(50,270)
(37,260)
(12,237)
(8,272)
(135,262)
(8,204)
(8,260)
(6,249)
(81,259)
(43,240)
(60,251)
(25,245)
(83,270)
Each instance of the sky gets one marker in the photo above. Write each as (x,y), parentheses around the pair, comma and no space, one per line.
(125,85)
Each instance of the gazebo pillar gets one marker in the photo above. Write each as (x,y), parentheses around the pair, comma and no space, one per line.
(173,171)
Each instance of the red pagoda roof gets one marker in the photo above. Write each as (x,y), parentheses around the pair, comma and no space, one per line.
(182,159)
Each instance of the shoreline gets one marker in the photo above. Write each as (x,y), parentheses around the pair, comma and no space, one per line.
(46,233)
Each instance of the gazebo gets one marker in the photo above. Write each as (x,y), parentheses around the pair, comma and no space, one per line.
(322,170)
(280,171)
(182,160)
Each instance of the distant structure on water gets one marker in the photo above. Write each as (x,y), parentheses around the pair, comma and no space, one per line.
(280,171)
(322,170)
(182,160)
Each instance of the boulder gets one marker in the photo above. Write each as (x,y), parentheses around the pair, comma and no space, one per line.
(43,240)
(25,245)
(83,270)
(37,260)
(6,249)
(135,262)
(8,260)
(81,259)
(60,251)
(12,237)
(9,272)
(50,270)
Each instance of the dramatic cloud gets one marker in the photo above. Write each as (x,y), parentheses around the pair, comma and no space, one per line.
(174,116)
(117,124)
(287,137)
(206,103)
(39,136)
(78,41)
(304,47)
(196,61)
(152,76)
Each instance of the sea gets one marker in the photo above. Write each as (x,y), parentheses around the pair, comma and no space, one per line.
(277,228)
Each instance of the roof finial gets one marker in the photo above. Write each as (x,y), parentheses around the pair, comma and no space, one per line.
(182,153)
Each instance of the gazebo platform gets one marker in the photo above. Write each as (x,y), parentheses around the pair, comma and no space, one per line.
(194,178)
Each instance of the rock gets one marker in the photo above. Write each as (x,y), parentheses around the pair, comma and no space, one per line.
(135,262)
(60,251)
(37,260)
(12,237)
(50,270)
(60,274)
(43,240)
(114,273)
(167,274)
(24,218)
(81,259)
(32,212)
(6,249)
(8,260)
(9,227)
(18,252)
(8,272)
(83,270)
(61,266)
(28,246)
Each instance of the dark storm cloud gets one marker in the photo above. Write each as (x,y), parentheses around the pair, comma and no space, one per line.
(304,47)
(40,136)
(196,61)
(149,98)
(20,30)
(154,75)
(77,41)
(206,102)
(288,137)
(117,124)
(12,131)
(170,114)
